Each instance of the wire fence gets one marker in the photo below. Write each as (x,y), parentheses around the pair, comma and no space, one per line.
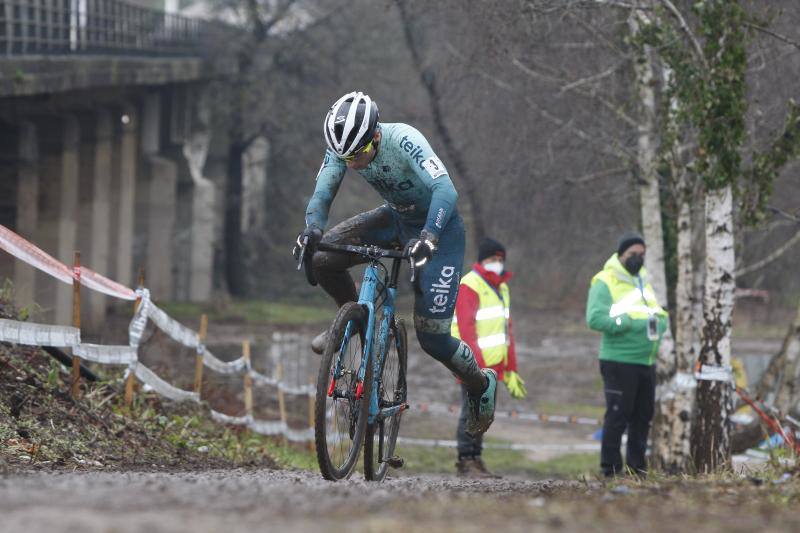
(51,27)
(146,311)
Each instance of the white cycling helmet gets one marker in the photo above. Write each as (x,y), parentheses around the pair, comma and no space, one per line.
(350,123)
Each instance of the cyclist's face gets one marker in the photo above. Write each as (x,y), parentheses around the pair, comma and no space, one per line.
(365,156)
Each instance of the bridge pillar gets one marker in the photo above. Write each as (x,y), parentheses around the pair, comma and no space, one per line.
(95,206)
(58,216)
(27,208)
(123,193)
(159,184)
(190,109)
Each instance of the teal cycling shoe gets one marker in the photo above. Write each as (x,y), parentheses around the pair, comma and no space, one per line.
(481,409)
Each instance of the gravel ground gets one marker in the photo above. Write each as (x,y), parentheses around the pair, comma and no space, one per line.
(271,500)
(558,370)
(234,500)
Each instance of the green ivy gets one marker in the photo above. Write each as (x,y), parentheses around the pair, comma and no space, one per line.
(711,90)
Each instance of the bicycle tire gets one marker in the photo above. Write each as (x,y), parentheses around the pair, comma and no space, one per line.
(375,468)
(354,413)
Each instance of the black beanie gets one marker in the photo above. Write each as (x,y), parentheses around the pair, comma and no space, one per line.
(490,247)
(627,240)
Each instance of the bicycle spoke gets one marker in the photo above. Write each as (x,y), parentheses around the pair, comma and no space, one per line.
(339,422)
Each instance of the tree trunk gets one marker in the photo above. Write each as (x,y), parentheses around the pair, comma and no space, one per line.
(235,264)
(473,217)
(711,443)
(652,229)
(235,272)
(672,450)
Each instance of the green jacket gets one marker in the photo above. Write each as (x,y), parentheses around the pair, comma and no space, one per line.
(619,306)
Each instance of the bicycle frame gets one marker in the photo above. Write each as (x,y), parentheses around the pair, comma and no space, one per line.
(367,298)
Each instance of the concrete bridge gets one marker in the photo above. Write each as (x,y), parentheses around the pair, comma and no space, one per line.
(106,148)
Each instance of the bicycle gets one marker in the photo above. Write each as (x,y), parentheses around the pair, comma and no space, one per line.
(361,386)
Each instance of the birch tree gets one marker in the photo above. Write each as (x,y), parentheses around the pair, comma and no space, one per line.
(672,426)
(710,85)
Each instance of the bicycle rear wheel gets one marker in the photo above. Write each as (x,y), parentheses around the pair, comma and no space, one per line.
(381,436)
(339,416)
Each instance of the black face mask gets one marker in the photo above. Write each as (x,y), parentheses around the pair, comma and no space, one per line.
(634,263)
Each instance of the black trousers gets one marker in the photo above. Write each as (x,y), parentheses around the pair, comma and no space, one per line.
(630,392)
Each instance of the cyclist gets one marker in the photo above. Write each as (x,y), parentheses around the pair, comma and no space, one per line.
(419,213)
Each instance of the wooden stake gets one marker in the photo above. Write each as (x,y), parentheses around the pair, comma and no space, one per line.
(131,380)
(198,360)
(248,380)
(76,322)
(281,398)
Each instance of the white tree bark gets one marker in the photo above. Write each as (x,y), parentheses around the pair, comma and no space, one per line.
(672,450)
(649,198)
(711,429)
(650,201)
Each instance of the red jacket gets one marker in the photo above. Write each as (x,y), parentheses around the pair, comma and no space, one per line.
(467,305)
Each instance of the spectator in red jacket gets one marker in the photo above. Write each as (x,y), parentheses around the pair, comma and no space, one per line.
(483,321)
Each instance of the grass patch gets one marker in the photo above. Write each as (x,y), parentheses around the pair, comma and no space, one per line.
(425,460)
(570,466)
(252,311)
(577,409)
(291,456)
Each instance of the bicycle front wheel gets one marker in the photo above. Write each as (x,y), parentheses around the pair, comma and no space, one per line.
(340,417)
(381,436)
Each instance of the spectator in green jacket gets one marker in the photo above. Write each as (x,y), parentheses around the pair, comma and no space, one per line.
(623,307)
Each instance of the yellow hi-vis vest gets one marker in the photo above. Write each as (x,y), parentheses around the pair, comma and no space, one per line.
(491,320)
(630,295)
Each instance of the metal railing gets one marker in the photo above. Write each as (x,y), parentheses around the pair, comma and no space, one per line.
(48,27)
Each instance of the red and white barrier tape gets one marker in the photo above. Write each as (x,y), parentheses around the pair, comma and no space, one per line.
(441,408)
(66,337)
(38,258)
(33,255)
(536,448)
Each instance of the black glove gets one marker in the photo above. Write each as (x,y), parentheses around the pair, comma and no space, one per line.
(421,250)
(313,234)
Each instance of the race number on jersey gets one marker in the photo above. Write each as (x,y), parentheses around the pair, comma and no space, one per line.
(434,167)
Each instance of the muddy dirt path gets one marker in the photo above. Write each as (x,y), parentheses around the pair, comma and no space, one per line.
(239,500)
(268,500)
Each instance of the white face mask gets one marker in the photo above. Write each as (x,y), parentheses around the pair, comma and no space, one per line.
(497,267)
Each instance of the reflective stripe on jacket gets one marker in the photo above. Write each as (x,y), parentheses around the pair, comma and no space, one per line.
(491,319)
(631,295)
(619,306)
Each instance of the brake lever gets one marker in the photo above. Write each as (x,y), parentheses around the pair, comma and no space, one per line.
(302,253)
(415,276)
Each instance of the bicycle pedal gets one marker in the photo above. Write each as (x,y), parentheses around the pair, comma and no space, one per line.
(395,462)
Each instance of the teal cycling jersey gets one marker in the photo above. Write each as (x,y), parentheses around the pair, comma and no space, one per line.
(405,172)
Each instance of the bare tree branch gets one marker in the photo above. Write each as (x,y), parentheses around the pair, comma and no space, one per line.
(612,148)
(596,175)
(783,214)
(591,79)
(454,155)
(777,35)
(771,257)
(532,73)
(685,28)
(279,14)
(616,109)
(541,6)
